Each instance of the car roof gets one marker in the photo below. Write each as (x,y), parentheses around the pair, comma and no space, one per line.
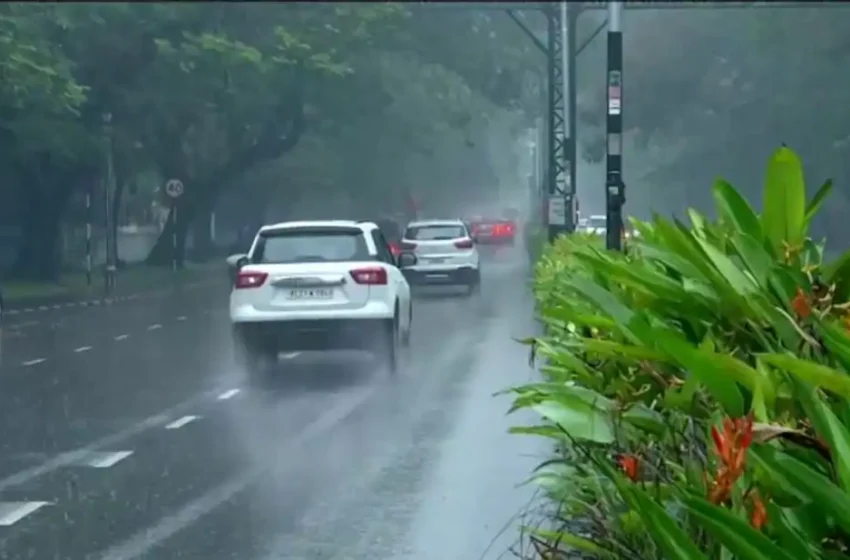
(447,222)
(364,226)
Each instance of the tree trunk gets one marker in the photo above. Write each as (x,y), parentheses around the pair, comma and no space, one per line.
(162,253)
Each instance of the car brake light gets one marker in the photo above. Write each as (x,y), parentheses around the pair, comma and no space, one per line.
(375,276)
(464,244)
(408,246)
(250,280)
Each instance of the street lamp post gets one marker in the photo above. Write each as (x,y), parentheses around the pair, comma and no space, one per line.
(109,193)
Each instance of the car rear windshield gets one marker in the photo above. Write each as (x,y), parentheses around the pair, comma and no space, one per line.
(310,245)
(435,232)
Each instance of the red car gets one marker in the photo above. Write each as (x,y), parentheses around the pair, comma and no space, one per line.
(493,231)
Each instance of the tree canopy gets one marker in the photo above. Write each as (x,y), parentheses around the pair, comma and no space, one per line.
(380,100)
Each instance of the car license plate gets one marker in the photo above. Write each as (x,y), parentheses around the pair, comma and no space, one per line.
(311,293)
(436,260)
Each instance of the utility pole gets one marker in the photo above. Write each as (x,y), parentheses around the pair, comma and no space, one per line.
(89,217)
(109,188)
(615,188)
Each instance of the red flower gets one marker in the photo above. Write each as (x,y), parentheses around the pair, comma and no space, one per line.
(630,465)
(758,515)
(731,445)
(801,305)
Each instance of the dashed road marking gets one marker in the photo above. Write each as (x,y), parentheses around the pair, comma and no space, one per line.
(121,336)
(228,395)
(180,422)
(147,539)
(106,459)
(82,349)
(35,361)
(75,456)
(290,355)
(154,327)
(12,512)
(181,318)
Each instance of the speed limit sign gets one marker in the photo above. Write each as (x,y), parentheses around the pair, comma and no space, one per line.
(174,188)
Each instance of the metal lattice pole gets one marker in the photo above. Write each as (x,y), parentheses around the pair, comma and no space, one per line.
(557,174)
(614,185)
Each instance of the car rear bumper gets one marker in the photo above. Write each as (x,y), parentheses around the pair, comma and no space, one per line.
(316,335)
(463,275)
(496,240)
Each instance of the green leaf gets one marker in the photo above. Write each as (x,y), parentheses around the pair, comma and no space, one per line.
(569,540)
(784,200)
(709,372)
(807,484)
(735,209)
(667,533)
(828,426)
(742,540)
(818,375)
(577,418)
(818,200)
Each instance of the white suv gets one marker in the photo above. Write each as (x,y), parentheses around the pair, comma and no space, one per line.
(319,285)
(445,253)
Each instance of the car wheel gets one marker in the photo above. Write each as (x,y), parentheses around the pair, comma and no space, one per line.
(405,336)
(388,348)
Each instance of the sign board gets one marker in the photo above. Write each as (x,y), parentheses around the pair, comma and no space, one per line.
(174,188)
(615,92)
(557,210)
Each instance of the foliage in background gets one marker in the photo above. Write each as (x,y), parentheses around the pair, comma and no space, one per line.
(697,388)
(221,95)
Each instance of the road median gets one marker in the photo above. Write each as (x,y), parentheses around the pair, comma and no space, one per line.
(131,281)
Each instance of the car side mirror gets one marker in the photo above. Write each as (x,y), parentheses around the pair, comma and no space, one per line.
(406,260)
(237,261)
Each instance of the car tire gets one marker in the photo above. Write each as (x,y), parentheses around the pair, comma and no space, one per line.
(405,336)
(387,351)
(255,363)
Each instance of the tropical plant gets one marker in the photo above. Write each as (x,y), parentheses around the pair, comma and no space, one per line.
(697,387)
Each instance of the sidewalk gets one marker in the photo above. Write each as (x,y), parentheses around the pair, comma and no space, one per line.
(130,283)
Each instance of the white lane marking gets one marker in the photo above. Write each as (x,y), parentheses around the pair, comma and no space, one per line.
(180,422)
(181,318)
(77,455)
(228,395)
(42,308)
(35,361)
(291,355)
(82,349)
(107,459)
(147,539)
(121,336)
(12,512)
(154,327)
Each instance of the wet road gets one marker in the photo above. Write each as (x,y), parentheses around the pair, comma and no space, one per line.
(127,434)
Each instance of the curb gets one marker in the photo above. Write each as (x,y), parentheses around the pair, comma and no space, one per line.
(104,301)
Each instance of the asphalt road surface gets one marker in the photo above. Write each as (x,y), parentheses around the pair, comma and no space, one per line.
(127,434)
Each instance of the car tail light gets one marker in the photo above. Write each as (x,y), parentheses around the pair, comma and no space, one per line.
(464,244)
(373,276)
(250,280)
(395,249)
(408,246)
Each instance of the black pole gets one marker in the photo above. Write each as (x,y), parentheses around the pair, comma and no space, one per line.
(573,11)
(614,185)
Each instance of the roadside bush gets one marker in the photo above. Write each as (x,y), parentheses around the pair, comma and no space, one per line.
(696,388)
